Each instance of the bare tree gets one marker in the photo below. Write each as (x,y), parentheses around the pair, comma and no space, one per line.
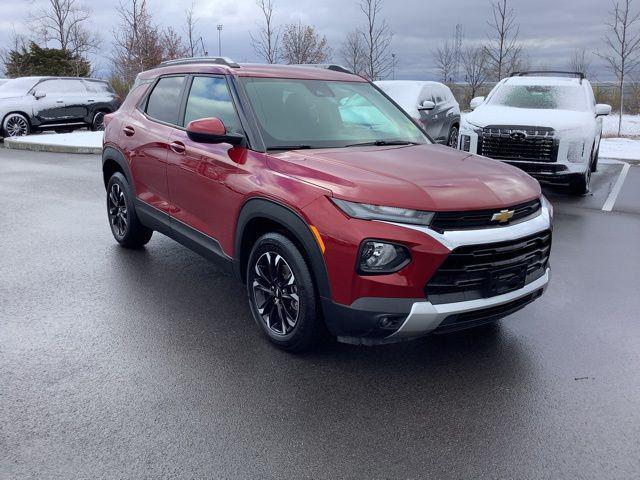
(302,44)
(504,49)
(352,52)
(376,38)
(265,42)
(444,58)
(194,48)
(64,22)
(623,42)
(580,61)
(172,45)
(137,42)
(474,65)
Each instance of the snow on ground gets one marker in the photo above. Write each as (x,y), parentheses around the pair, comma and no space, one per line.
(620,149)
(73,139)
(630,126)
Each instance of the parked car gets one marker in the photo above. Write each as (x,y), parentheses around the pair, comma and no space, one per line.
(367,230)
(31,104)
(549,126)
(432,104)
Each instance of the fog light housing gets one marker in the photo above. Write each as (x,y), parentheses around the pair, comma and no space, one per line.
(465,143)
(377,257)
(576,152)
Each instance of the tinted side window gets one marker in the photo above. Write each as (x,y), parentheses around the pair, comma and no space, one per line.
(209,97)
(164,101)
(99,87)
(74,87)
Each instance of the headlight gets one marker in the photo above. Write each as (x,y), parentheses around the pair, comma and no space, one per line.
(466,125)
(575,153)
(365,211)
(546,203)
(379,257)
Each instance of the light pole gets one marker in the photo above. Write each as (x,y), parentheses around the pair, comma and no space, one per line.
(220,40)
(393,66)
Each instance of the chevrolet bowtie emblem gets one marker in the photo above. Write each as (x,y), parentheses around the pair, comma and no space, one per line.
(503,216)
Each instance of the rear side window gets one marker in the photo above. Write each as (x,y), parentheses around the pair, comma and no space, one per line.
(209,97)
(164,101)
(73,87)
(99,87)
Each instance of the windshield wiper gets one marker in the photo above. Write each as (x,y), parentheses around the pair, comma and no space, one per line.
(382,143)
(289,147)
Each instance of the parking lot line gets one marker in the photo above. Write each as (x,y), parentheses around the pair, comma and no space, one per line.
(617,187)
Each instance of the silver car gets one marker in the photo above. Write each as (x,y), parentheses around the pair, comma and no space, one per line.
(432,104)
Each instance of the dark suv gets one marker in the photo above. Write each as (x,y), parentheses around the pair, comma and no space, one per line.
(326,199)
(30,104)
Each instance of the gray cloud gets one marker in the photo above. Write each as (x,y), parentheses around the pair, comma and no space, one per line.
(549,29)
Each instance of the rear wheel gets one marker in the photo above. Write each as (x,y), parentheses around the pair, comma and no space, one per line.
(453,137)
(98,122)
(125,225)
(15,125)
(282,295)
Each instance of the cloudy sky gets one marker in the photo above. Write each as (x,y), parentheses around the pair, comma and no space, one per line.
(549,29)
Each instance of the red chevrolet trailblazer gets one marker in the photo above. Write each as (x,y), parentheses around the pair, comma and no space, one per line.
(330,204)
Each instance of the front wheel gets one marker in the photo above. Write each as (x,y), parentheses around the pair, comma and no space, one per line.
(125,225)
(579,185)
(453,137)
(15,125)
(282,295)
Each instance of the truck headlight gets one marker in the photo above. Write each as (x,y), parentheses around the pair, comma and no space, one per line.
(366,211)
(379,257)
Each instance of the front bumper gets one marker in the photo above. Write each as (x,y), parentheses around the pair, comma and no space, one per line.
(373,320)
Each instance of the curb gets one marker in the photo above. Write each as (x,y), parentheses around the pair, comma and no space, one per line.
(43,147)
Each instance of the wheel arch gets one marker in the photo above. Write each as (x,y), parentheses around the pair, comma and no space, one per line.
(259,216)
(113,160)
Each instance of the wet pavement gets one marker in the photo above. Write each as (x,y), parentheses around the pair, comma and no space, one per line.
(146,364)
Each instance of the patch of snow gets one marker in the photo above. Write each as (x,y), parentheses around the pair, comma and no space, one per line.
(630,126)
(620,148)
(73,139)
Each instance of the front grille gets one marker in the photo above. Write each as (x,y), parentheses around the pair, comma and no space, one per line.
(443,221)
(540,168)
(472,272)
(518,143)
(474,318)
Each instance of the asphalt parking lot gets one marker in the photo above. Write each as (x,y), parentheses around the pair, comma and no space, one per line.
(146,364)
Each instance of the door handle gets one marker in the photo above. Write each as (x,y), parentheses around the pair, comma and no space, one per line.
(90,101)
(59,101)
(178,147)
(128,131)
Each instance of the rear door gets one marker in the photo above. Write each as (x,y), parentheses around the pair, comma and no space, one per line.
(145,139)
(76,99)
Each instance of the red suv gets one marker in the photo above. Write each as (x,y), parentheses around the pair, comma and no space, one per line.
(329,202)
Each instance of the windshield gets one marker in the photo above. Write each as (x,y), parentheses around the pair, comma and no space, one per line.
(326,114)
(18,85)
(546,97)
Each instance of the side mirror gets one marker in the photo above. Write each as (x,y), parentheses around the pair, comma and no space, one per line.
(212,130)
(39,94)
(602,110)
(427,105)
(476,102)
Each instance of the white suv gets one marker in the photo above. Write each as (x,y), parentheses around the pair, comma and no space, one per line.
(549,126)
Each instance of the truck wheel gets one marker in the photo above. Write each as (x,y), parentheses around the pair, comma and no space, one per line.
(282,295)
(579,184)
(125,225)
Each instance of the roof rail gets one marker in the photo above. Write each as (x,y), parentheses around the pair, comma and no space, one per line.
(580,75)
(214,60)
(327,66)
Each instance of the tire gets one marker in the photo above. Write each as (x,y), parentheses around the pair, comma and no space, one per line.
(125,225)
(594,163)
(16,125)
(579,184)
(278,281)
(452,140)
(97,124)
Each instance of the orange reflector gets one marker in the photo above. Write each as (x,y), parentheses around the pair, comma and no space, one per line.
(316,234)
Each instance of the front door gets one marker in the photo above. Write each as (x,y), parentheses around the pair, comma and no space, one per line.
(51,108)
(197,172)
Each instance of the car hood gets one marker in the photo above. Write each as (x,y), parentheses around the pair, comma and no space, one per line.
(9,95)
(423,177)
(486,115)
